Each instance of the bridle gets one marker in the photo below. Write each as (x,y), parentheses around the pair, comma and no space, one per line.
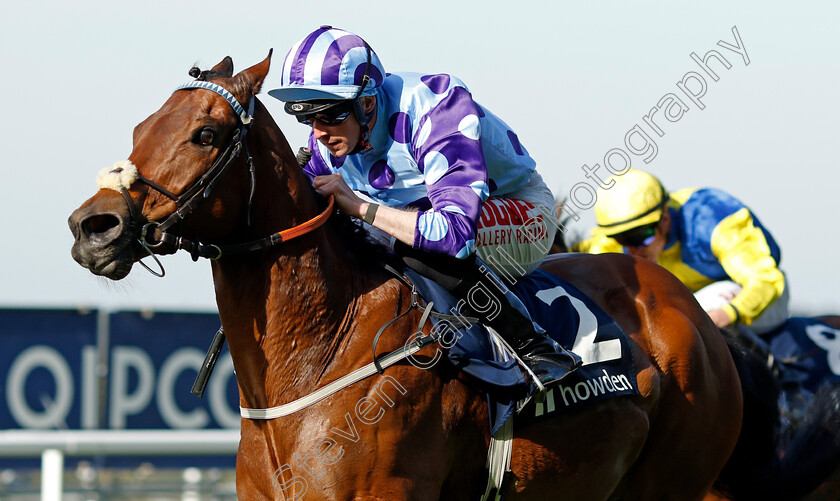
(201,189)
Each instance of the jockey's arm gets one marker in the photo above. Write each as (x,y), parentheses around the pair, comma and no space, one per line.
(399,223)
(745,256)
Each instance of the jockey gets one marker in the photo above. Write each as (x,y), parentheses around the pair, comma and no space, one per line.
(712,242)
(439,173)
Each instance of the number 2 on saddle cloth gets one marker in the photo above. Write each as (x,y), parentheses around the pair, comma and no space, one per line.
(573,320)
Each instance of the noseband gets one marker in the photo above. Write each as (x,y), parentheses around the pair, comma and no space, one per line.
(201,189)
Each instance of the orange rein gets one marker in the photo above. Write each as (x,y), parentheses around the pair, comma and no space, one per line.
(280,236)
(306,227)
(214,252)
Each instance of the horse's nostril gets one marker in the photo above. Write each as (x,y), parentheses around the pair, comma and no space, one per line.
(100,223)
(101,228)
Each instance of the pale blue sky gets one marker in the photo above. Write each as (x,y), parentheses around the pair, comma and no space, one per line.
(571,80)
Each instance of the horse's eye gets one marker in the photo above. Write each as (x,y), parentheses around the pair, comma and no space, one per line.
(206,137)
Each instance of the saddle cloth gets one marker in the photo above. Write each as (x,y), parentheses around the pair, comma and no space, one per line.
(808,350)
(571,318)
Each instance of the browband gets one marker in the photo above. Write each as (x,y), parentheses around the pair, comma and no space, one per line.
(245,116)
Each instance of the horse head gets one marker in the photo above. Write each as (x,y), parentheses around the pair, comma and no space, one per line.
(168,194)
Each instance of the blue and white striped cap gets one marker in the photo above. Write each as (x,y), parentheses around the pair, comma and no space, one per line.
(329,63)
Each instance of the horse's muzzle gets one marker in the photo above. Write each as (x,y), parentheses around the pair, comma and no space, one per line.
(103,237)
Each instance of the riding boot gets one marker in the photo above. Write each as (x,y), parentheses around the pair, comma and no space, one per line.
(485,299)
(546,358)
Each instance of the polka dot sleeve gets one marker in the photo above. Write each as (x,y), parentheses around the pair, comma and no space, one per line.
(316,166)
(448,150)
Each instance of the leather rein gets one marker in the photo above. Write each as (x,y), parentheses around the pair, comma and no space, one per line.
(201,189)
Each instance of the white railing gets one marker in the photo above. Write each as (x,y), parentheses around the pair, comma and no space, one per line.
(52,446)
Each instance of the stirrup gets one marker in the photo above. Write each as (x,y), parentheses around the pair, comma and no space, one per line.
(555,371)
(540,382)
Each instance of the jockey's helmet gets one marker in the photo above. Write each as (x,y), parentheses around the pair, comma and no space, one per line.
(328,68)
(636,199)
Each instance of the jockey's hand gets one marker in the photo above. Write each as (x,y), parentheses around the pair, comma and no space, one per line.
(345,198)
(720,318)
(396,222)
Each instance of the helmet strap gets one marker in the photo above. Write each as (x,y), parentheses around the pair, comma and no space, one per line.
(364,118)
(364,141)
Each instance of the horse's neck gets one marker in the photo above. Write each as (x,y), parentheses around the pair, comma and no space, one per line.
(285,309)
(283,318)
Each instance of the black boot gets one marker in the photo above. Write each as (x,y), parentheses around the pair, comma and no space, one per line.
(485,299)
(546,358)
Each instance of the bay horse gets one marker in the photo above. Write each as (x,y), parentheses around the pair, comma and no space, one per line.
(300,300)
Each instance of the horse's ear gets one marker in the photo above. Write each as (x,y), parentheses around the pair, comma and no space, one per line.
(224,68)
(249,81)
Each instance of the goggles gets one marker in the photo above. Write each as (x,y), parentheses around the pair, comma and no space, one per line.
(637,237)
(326,113)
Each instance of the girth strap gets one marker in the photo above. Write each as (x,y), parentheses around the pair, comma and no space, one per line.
(339,384)
(498,462)
(379,362)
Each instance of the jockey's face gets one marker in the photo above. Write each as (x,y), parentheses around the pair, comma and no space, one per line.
(651,252)
(340,139)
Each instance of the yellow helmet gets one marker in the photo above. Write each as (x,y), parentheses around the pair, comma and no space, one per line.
(636,199)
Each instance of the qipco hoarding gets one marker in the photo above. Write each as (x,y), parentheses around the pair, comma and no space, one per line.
(48,369)
(67,369)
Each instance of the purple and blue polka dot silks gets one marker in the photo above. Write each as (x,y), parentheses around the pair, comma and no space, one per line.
(436,149)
